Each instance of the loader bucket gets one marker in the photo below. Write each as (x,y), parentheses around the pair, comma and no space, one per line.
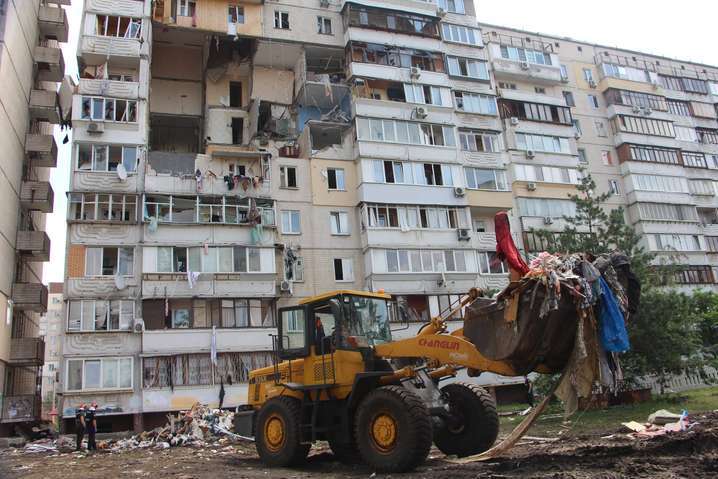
(526,340)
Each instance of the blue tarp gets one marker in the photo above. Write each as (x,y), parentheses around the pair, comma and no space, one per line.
(612,330)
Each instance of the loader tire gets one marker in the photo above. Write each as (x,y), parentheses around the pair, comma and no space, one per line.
(393,430)
(475,423)
(278,435)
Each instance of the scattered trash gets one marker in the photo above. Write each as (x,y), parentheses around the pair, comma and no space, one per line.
(663,416)
(659,423)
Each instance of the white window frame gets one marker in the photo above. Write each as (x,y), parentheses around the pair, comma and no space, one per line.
(108,309)
(322,23)
(593,101)
(428,260)
(94,116)
(454,65)
(453,33)
(392,130)
(452,6)
(93,160)
(119,359)
(339,179)
(284,177)
(500,178)
(614,187)
(236,14)
(129,33)
(93,200)
(559,145)
(183,7)
(346,278)
(478,103)
(485,256)
(339,223)
(280,17)
(291,214)
(468,138)
(102,254)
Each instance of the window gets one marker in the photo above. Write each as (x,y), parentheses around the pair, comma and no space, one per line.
(543,207)
(643,126)
(548,144)
(479,141)
(109,109)
(707,136)
(339,222)
(490,263)
(102,207)
(702,187)
(652,154)
(461,34)
(99,315)
(694,160)
(122,27)
(667,212)
(324,26)
(235,94)
(486,179)
(107,261)
(680,108)
(600,128)
(99,374)
(535,112)
(106,157)
(296,271)
(694,275)
(222,259)
(525,55)
(335,179)
(374,129)
(392,20)
(548,174)
(685,133)
(281,20)
(287,177)
(691,85)
(208,209)
(588,75)
(613,187)
(343,270)
(507,86)
(568,97)
(235,14)
(667,184)
(593,102)
(469,68)
(475,103)
(424,94)
(415,217)
(186,8)
(408,173)
(564,72)
(391,55)
(172,259)
(626,73)
(422,261)
(237,131)
(540,90)
(577,127)
(582,158)
(606,158)
(452,6)
(712,243)
(291,224)
(636,99)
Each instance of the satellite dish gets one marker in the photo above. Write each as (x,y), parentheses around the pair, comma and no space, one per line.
(120,282)
(121,172)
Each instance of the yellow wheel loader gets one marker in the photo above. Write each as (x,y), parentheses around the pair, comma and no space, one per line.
(339,377)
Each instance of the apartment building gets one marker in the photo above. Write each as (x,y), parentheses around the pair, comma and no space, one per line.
(31,66)
(233,157)
(51,330)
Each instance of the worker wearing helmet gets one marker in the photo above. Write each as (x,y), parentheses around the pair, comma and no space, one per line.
(91,422)
(79,426)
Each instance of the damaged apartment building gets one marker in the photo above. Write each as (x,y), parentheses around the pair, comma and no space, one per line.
(232,157)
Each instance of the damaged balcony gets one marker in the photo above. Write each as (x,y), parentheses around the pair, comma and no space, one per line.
(34,245)
(53,23)
(110,88)
(50,62)
(321,80)
(44,106)
(29,297)
(37,196)
(27,351)
(41,150)
(325,139)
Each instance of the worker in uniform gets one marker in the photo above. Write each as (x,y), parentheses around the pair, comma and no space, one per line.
(79,426)
(91,421)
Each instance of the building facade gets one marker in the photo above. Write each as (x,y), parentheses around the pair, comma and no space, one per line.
(31,66)
(233,157)
(51,330)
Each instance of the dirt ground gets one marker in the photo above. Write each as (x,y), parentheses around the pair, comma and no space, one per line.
(608,454)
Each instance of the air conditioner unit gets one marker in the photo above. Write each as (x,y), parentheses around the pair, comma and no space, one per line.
(530,154)
(459,191)
(440,12)
(514,121)
(285,286)
(524,65)
(647,111)
(548,220)
(463,234)
(96,127)
(592,83)
(324,3)
(637,109)
(415,72)
(138,325)
(531,186)
(421,112)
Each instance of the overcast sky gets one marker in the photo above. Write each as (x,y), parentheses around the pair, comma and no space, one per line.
(684,29)
(681,29)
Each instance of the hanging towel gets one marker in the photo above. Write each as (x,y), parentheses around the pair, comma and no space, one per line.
(192,279)
(613,334)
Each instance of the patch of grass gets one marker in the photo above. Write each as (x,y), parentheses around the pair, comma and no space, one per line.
(551,422)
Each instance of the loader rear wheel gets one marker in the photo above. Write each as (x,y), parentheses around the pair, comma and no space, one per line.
(393,430)
(278,437)
(474,423)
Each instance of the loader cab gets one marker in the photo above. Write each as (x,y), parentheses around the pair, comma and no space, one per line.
(341,320)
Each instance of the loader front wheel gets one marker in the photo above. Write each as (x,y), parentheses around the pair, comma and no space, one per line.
(278,437)
(474,422)
(393,430)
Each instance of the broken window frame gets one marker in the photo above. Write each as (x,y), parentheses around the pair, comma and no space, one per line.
(336,179)
(87,207)
(489,142)
(343,270)
(124,379)
(163,208)
(287,173)
(373,53)
(324,25)
(123,266)
(129,155)
(424,134)
(78,309)
(105,24)
(281,20)
(362,16)
(108,109)
(213,259)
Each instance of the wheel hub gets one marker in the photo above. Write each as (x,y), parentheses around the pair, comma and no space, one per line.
(274,433)
(383,432)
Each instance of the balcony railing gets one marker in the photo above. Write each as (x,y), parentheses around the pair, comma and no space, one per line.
(53,22)
(29,297)
(21,408)
(34,245)
(41,150)
(50,63)
(37,196)
(43,106)
(27,351)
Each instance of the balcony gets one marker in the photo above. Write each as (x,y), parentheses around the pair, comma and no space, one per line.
(37,196)
(43,106)
(109,88)
(41,150)
(30,297)
(523,71)
(53,23)
(50,63)
(27,352)
(99,49)
(20,408)
(34,245)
